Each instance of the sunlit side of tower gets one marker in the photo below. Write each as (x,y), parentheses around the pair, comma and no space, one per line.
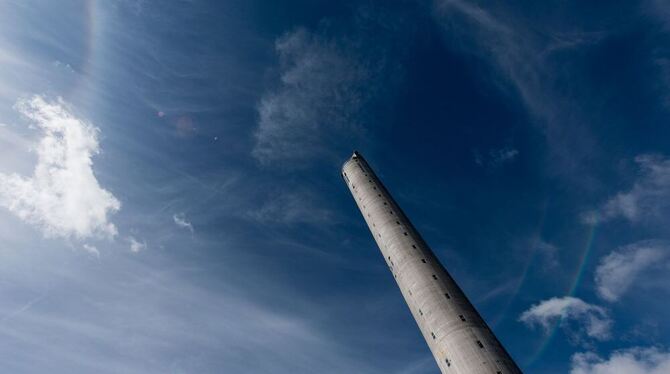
(458,337)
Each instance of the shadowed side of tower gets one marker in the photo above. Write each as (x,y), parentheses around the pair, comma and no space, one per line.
(458,337)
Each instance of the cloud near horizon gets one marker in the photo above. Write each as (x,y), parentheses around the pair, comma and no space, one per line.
(637,360)
(649,196)
(617,271)
(63,196)
(590,320)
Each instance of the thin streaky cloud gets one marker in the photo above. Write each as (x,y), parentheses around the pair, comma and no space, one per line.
(91,249)
(180,220)
(23,308)
(525,66)
(290,207)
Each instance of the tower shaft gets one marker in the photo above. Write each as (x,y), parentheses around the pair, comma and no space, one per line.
(458,337)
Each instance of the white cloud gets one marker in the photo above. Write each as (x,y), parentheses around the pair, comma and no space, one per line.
(617,271)
(573,314)
(496,157)
(320,91)
(648,198)
(500,156)
(91,249)
(180,220)
(63,196)
(136,246)
(638,360)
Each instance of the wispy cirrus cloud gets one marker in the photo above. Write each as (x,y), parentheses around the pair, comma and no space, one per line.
(180,221)
(330,81)
(496,157)
(63,196)
(576,316)
(503,155)
(648,198)
(142,318)
(637,360)
(321,89)
(547,251)
(525,62)
(291,207)
(91,249)
(617,271)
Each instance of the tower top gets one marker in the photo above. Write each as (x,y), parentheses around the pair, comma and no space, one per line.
(457,335)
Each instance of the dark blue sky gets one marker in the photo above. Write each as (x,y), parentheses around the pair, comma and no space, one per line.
(171,200)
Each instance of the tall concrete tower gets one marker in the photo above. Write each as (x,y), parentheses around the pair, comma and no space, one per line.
(458,337)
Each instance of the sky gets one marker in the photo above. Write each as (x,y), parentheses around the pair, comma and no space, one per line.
(170,197)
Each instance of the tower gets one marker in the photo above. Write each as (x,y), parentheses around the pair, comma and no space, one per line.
(456,334)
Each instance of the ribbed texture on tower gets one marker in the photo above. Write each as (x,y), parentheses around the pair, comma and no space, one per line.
(458,337)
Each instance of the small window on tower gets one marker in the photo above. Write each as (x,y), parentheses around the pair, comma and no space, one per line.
(413,246)
(434,276)
(420,312)
(390,211)
(404,233)
(374,188)
(461,317)
(449,362)
(397,222)
(423,260)
(480,344)
(447,295)
(432,335)
(385,203)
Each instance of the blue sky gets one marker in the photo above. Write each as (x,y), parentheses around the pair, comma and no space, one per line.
(170,198)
